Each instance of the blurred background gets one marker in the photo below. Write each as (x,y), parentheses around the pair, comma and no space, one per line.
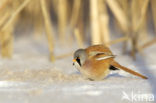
(38,39)
(132,23)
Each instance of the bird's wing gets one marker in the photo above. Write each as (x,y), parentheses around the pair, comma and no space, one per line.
(101,55)
(99,52)
(105,57)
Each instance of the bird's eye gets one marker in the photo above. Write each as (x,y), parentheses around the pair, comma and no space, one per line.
(78,60)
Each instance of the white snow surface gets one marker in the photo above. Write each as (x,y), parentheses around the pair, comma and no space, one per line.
(30,54)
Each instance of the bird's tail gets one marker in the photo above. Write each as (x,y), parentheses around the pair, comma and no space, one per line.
(117,65)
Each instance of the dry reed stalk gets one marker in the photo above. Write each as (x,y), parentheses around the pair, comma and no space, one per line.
(119,14)
(137,22)
(125,6)
(78,38)
(148,44)
(3,4)
(54,4)
(75,13)
(48,28)
(142,16)
(38,27)
(4,18)
(122,39)
(94,17)
(15,14)
(104,22)
(6,43)
(143,31)
(75,19)
(37,19)
(81,25)
(143,35)
(62,19)
(153,7)
(6,32)
(135,8)
(64,55)
(139,17)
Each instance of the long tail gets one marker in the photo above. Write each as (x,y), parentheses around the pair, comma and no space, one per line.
(117,65)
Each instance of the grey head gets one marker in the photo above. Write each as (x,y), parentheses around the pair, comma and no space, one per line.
(80,56)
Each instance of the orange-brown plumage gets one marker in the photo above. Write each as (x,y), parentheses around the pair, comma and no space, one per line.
(97,70)
(94,62)
(115,64)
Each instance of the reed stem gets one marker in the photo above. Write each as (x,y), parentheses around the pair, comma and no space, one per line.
(48,28)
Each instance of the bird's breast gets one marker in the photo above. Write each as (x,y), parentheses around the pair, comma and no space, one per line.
(96,69)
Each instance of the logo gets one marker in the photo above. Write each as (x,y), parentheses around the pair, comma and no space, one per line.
(137,97)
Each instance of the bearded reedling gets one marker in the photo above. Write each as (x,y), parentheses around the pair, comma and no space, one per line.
(95,62)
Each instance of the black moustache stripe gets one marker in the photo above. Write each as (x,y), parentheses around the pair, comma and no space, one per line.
(78,60)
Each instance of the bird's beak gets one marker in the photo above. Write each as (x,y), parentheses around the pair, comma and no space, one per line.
(74,60)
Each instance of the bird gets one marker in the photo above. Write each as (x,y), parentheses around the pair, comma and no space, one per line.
(95,62)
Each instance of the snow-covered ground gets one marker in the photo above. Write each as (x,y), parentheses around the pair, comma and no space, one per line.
(29,77)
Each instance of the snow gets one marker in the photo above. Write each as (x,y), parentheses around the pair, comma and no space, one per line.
(29,77)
